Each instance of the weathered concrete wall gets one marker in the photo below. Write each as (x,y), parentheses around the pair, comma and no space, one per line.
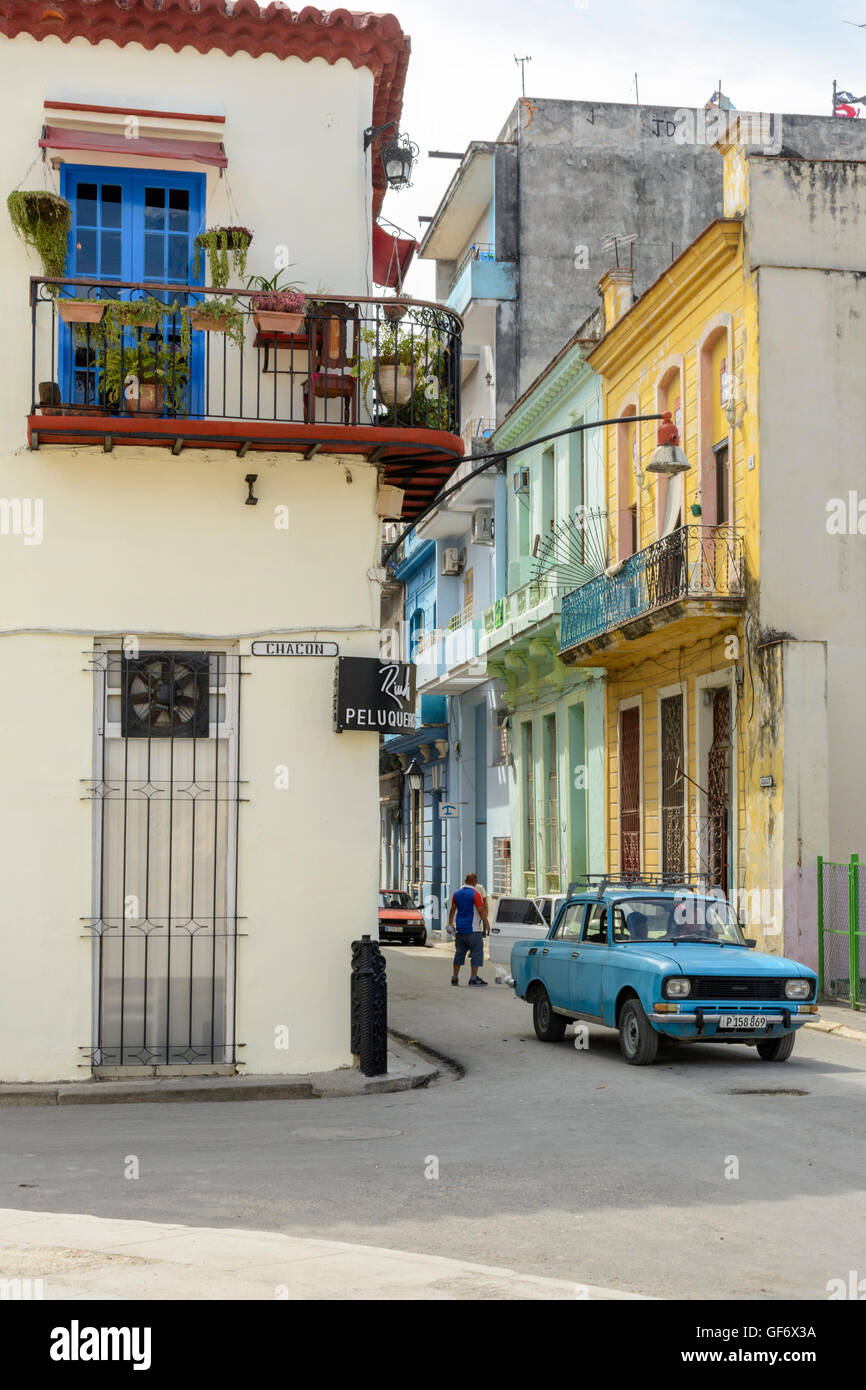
(588,170)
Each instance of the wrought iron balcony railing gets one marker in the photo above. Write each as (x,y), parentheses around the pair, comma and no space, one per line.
(694,562)
(344,361)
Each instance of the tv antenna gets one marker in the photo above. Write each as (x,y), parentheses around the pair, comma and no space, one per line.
(521,63)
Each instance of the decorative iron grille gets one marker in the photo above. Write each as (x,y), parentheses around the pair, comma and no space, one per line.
(166,796)
(629,791)
(719,791)
(501,866)
(673,785)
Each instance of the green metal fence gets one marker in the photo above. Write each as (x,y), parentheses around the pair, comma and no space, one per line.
(841,938)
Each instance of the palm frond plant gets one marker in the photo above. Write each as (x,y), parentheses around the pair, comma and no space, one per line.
(220,244)
(42,221)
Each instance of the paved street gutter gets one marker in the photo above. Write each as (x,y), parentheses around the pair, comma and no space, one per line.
(408,1067)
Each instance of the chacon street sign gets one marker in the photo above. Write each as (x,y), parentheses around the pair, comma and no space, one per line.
(374,695)
(271,648)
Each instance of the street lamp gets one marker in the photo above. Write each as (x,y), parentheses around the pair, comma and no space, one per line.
(398,156)
(668,458)
(415,776)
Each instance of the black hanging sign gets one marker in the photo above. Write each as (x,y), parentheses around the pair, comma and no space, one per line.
(375,695)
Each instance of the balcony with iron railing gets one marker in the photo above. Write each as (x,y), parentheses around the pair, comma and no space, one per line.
(519,610)
(449,660)
(479,275)
(183,366)
(695,576)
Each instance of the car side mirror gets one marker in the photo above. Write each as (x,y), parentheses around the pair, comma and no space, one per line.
(751,942)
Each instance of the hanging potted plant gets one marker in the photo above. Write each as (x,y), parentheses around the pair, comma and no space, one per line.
(81,310)
(140,313)
(219,316)
(42,221)
(220,243)
(280,311)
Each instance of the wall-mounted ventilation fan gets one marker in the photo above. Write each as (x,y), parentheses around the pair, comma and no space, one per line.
(165,695)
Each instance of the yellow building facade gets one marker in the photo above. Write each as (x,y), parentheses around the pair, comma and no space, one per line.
(667,619)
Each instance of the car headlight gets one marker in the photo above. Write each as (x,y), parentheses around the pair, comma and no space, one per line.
(798,989)
(675,987)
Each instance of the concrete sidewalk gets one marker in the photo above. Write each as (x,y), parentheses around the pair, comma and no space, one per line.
(842,1021)
(88,1257)
(407,1068)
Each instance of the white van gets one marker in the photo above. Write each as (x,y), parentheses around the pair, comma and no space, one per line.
(513,919)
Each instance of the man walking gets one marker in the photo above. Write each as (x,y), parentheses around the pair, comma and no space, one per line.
(470,911)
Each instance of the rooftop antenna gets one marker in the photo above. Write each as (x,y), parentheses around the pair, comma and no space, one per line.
(521,63)
(636,96)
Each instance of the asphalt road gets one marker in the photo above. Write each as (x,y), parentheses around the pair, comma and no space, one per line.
(551,1161)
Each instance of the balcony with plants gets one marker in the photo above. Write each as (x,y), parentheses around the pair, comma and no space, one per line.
(240,363)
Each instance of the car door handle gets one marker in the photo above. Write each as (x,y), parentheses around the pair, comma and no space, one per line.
(575,954)
(545,950)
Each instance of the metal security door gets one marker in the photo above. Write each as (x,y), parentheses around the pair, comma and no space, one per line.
(629,791)
(719,792)
(165,912)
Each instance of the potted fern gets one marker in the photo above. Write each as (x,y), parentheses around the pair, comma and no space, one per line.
(148,374)
(219,244)
(42,221)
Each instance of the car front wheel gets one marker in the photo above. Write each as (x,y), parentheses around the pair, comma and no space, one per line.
(549,1027)
(777,1049)
(638,1040)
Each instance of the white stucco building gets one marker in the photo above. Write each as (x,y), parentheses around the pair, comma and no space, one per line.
(189,847)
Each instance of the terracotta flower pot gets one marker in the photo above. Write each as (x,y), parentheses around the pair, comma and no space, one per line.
(390,389)
(80,311)
(205,323)
(394,312)
(149,400)
(267,322)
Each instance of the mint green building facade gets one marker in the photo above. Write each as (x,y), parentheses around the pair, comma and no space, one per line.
(555,539)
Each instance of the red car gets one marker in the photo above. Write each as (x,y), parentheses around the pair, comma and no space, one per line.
(400,919)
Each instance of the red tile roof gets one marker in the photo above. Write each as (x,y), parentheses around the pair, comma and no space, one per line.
(374,41)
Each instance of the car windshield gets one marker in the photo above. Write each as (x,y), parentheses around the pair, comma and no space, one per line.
(680,917)
(394,901)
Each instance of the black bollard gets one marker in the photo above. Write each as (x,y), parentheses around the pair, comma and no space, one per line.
(369,1007)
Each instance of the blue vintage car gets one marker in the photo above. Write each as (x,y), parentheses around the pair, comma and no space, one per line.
(660,963)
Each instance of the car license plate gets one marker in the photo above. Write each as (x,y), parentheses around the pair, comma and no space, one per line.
(748,1021)
(384,928)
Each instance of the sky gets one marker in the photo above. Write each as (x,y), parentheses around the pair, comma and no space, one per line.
(463,81)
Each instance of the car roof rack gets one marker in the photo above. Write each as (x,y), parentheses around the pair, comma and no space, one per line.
(600,883)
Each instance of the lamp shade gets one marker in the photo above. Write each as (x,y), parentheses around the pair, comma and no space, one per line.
(668,457)
(415,776)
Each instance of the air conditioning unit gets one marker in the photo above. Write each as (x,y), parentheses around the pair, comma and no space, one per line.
(520,479)
(482,526)
(451,561)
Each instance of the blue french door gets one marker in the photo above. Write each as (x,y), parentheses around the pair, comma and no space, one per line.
(136,226)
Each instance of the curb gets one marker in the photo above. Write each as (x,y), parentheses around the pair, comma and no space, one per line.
(841,1030)
(408,1068)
